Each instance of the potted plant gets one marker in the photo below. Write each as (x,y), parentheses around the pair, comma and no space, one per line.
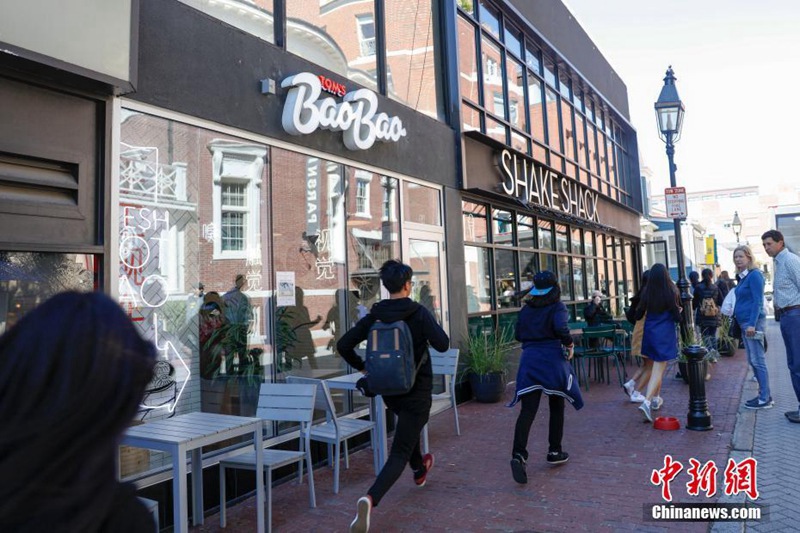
(691,338)
(726,344)
(486,362)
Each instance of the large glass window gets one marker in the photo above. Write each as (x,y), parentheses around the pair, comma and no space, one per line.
(467,61)
(411,56)
(516,94)
(475,221)
(421,204)
(502,227)
(493,78)
(254,16)
(535,108)
(477,271)
(506,278)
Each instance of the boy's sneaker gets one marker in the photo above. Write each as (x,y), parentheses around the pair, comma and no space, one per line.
(518,469)
(629,386)
(755,403)
(637,397)
(427,465)
(557,458)
(645,409)
(656,403)
(360,523)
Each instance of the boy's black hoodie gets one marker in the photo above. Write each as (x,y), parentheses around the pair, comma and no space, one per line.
(424,331)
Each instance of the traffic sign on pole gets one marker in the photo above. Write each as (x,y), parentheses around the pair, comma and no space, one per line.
(675,201)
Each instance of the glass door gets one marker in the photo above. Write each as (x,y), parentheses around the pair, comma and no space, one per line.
(424,252)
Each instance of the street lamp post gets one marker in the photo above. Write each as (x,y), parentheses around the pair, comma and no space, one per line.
(736,225)
(669,113)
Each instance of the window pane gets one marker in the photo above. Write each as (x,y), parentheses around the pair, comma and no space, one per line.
(545,234)
(477,274)
(580,133)
(490,18)
(549,72)
(525,231)
(496,130)
(578,275)
(591,278)
(532,58)
(470,118)
(577,246)
(475,222)
(502,227)
(547,262)
(467,60)
(519,142)
(528,267)
(29,278)
(411,42)
(561,238)
(492,78)
(588,237)
(342,39)
(569,132)
(513,40)
(516,95)
(421,204)
(254,18)
(505,278)
(535,107)
(233,226)
(553,120)
(565,277)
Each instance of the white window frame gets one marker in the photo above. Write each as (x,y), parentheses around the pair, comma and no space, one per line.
(249,174)
(366,44)
(362,178)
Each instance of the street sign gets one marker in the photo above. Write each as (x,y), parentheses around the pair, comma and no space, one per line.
(675,200)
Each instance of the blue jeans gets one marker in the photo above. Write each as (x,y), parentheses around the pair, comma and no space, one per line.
(790,330)
(755,356)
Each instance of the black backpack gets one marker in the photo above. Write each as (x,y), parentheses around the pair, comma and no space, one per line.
(390,365)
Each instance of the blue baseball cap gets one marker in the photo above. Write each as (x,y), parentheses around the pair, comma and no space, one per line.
(543,282)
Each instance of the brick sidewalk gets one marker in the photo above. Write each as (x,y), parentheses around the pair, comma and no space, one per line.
(603,487)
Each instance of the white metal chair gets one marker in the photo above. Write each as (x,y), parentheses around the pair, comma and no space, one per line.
(280,402)
(335,431)
(444,364)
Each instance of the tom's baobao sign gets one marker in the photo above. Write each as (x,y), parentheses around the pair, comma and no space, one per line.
(530,181)
(356,115)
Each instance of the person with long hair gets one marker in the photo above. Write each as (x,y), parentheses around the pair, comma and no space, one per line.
(749,313)
(544,366)
(74,374)
(660,309)
(642,374)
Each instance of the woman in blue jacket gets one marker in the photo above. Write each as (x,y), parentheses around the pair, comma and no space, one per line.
(544,367)
(749,313)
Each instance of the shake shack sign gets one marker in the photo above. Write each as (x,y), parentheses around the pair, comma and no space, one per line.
(532,182)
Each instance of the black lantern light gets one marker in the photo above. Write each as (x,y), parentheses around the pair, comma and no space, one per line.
(736,225)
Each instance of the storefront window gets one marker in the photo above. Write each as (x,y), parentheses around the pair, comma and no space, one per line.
(526,232)
(576,241)
(545,234)
(578,274)
(535,107)
(562,244)
(502,227)
(493,78)
(477,272)
(421,204)
(565,277)
(528,267)
(411,51)
(547,262)
(490,18)
(591,278)
(27,279)
(475,222)
(505,278)
(340,38)
(516,94)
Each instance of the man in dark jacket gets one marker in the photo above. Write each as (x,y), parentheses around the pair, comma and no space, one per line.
(412,409)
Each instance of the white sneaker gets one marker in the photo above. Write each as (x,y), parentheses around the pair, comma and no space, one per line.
(360,523)
(637,397)
(656,403)
(645,409)
(629,386)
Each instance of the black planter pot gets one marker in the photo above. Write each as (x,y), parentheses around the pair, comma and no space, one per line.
(727,349)
(488,388)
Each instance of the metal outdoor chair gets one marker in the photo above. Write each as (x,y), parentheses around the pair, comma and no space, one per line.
(597,344)
(281,402)
(444,364)
(335,431)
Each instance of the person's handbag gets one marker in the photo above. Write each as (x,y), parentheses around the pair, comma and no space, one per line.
(728,304)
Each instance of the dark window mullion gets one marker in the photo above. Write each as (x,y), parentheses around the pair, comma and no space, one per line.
(380,45)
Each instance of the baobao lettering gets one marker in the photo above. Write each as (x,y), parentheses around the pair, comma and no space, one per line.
(355,116)
(525,179)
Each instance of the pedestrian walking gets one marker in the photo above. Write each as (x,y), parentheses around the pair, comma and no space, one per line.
(707,300)
(786,287)
(724,283)
(749,313)
(642,375)
(413,408)
(544,366)
(660,309)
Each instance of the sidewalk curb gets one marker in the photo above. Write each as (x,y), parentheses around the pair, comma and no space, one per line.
(741,448)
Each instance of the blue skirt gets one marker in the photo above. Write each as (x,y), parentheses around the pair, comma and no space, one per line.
(660,341)
(543,367)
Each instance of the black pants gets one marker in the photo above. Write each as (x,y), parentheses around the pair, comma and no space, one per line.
(530,405)
(412,415)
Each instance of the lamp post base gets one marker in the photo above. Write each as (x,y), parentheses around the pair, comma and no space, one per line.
(698,419)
